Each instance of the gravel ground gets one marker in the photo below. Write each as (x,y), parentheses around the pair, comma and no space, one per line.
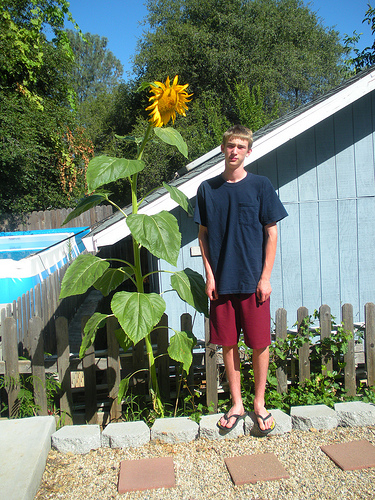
(201,473)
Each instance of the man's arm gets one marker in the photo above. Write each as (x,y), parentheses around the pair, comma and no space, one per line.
(210,279)
(270,243)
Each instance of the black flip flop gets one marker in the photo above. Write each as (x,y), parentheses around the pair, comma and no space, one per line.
(264,432)
(236,417)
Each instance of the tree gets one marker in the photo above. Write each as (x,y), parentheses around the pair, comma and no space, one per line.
(96,69)
(277,44)
(43,153)
(366,57)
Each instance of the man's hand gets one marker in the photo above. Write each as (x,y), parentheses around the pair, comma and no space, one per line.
(264,290)
(211,289)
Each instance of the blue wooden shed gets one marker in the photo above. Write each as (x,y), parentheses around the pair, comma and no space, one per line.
(320,159)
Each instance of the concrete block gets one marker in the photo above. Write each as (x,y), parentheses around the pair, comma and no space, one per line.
(77,438)
(209,430)
(317,417)
(126,435)
(282,420)
(24,447)
(172,430)
(355,414)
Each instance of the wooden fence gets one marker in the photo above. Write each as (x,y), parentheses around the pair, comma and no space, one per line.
(113,364)
(53,219)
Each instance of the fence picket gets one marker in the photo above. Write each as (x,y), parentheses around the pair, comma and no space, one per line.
(63,368)
(37,364)
(89,373)
(187,326)
(163,360)
(281,333)
(370,342)
(349,357)
(325,332)
(10,353)
(304,362)
(211,370)
(114,369)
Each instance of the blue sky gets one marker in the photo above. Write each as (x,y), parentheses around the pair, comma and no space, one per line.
(120,21)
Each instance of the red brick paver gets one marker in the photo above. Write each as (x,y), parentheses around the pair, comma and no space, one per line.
(146,474)
(253,468)
(351,456)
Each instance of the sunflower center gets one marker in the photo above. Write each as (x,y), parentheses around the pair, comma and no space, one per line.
(168,101)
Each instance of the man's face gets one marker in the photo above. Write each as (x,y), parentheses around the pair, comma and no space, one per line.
(235,152)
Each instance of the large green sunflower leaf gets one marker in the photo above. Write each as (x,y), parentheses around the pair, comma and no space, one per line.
(173,137)
(137,313)
(180,198)
(104,169)
(82,273)
(96,321)
(158,233)
(112,278)
(84,205)
(180,348)
(190,286)
(123,340)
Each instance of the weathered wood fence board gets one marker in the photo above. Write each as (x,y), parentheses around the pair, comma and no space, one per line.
(53,219)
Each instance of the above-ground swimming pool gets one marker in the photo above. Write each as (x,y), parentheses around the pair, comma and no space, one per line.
(28,257)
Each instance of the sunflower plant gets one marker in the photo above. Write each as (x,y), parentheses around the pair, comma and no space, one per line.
(138,313)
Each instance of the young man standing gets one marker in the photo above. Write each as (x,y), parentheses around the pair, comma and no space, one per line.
(237,213)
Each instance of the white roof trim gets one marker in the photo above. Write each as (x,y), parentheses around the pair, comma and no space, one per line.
(261,147)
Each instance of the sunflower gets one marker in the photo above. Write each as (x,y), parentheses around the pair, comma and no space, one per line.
(166,101)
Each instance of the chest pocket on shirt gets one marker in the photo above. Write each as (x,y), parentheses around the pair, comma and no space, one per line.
(247,214)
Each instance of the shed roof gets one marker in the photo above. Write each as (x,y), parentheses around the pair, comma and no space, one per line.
(267,139)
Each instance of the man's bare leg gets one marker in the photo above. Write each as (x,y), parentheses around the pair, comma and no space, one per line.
(231,359)
(260,365)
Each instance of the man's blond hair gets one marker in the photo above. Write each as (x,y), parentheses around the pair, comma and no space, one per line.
(238,131)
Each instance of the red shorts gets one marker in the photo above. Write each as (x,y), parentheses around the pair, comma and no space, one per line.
(230,314)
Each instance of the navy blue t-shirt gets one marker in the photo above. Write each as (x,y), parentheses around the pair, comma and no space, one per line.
(234,214)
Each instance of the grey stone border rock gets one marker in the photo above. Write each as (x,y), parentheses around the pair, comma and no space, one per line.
(83,438)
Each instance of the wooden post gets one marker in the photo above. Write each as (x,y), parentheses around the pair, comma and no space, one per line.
(162,362)
(211,370)
(37,364)
(349,357)
(187,326)
(113,369)
(63,368)
(89,373)
(370,342)
(304,351)
(10,354)
(325,332)
(281,333)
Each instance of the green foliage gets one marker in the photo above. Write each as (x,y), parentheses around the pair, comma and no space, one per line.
(323,387)
(279,45)
(96,69)
(251,106)
(25,405)
(180,348)
(43,152)
(366,57)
